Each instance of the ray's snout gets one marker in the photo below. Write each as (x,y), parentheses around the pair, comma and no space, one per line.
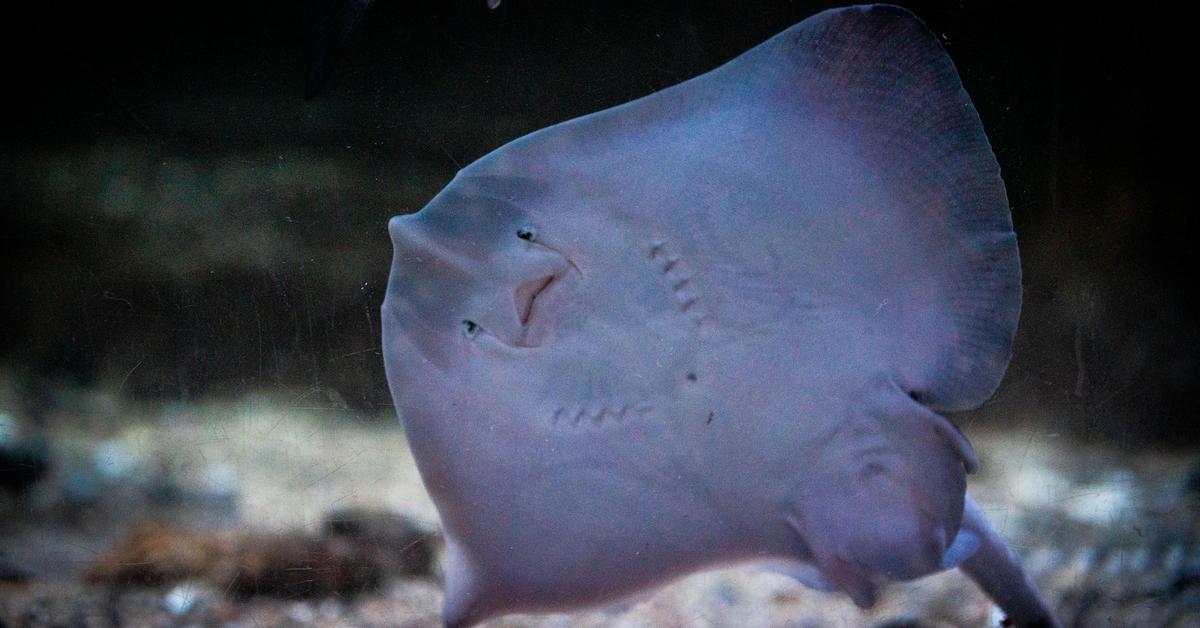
(459,276)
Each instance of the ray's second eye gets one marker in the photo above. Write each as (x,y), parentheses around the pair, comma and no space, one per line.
(526,233)
(470,328)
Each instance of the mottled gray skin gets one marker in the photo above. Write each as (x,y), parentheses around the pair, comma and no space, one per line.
(713,326)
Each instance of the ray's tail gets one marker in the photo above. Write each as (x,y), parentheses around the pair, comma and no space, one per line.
(994,567)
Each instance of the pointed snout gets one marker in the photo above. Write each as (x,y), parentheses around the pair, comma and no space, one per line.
(463,279)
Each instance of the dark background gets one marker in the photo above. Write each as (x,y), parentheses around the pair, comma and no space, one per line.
(178,222)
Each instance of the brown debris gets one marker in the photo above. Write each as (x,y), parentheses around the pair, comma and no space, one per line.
(355,552)
(298,566)
(155,553)
(403,546)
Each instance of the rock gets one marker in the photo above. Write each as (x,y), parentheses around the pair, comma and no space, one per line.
(24,458)
(403,546)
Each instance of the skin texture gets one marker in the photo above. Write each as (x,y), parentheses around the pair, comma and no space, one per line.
(715,325)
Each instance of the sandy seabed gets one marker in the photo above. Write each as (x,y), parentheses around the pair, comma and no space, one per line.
(1109,534)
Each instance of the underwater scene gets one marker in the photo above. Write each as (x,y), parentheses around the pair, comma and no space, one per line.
(523,313)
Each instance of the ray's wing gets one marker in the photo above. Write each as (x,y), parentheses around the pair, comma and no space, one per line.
(910,221)
(846,152)
(886,80)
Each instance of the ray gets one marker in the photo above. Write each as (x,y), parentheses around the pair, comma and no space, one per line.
(716,325)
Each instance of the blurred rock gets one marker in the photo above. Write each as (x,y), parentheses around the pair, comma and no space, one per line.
(81,489)
(208,495)
(10,430)
(218,490)
(183,598)
(355,552)
(114,461)
(405,547)
(12,573)
(905,622)
(293,565)
(24,458)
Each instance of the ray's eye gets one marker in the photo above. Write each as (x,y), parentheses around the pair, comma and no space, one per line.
(470,328)
(526,233)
